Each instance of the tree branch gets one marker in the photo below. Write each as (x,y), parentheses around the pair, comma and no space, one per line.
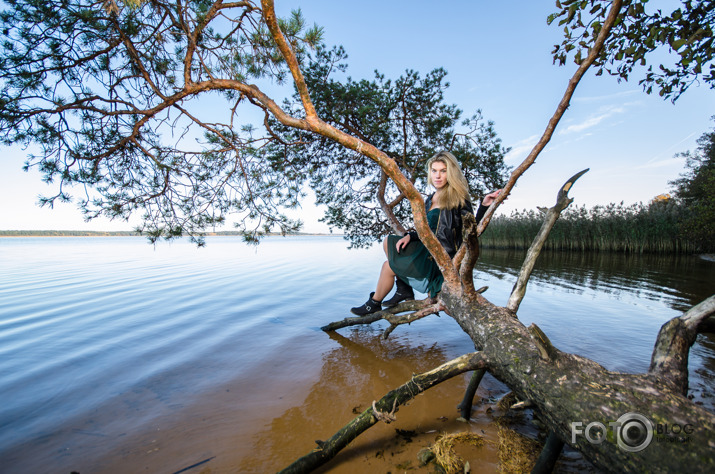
(389,166)
(419,308)
(269,16)
(467,256)
(397,227)
(411,317)
(562,202)
(669,361)
(560,110)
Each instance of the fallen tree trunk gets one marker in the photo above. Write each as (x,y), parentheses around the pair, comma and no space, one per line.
(582,402)
(620,422)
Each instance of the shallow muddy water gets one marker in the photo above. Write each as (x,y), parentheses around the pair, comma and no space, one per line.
(122,357)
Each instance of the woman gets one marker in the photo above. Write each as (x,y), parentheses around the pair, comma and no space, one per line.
(412,265)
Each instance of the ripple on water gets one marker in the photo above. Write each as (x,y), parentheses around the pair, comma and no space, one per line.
(114,333)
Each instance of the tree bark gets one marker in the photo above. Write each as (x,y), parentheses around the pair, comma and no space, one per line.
(567,389)
(571,394)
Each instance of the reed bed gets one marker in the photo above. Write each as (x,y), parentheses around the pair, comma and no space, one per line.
(638,228)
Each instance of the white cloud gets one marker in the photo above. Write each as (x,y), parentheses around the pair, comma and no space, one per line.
(593,120)
(520,149)
(606,98)
(659,158)
(679,162)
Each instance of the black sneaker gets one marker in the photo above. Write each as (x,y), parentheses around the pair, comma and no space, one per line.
(370,306)
(403,292)
(398,298)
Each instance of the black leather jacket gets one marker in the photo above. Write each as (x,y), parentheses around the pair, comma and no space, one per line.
(449,226)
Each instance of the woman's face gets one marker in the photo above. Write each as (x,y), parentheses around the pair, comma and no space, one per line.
(438,174)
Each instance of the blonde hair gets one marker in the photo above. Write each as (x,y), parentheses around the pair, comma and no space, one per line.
(456,192)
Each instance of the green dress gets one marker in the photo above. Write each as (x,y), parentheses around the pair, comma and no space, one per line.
(414,264)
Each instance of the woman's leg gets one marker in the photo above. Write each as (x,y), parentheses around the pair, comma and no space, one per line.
(386,279)
(384,282)
(384,286)
(404,290)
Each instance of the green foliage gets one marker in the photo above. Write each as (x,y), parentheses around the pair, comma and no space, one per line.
(696,190)
(113,97)
(138,105)
(640,31)
(406,118)
(637,228)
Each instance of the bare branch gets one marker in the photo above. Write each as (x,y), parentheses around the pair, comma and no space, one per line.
(390,315)
(269,15)
(669,362)
(397,227)
(411,317)
(560,110)
(697,315)
(562,202)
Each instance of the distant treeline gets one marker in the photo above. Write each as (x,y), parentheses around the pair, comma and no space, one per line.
(637,228)
(64,233)
(91,233)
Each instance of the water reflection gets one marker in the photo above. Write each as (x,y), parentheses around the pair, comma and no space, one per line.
(364,367)
(680,281)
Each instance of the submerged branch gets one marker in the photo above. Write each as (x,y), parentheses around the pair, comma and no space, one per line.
(384,409)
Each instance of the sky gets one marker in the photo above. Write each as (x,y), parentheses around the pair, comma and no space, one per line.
(497,56)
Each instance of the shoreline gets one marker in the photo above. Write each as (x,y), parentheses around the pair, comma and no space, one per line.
(710,257)
(129,233)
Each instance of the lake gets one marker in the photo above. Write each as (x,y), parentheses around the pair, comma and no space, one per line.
(120,356)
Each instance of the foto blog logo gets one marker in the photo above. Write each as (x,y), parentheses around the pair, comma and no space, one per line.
(633,432)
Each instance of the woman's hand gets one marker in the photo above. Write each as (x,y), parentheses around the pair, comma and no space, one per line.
(402,243)
(491,197)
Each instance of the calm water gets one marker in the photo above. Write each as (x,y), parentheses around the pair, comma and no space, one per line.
(118,356)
